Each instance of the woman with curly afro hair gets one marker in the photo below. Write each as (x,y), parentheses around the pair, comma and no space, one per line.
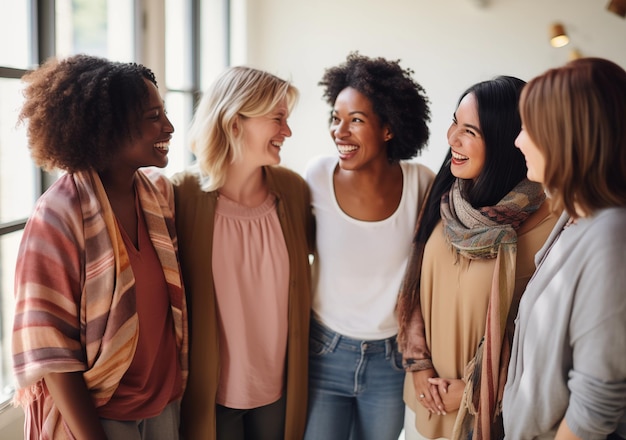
(365,201)
(100,333)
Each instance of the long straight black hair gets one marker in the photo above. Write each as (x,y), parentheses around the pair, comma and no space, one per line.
(505,166)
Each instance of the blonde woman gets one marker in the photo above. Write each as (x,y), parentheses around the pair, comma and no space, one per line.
(246,231)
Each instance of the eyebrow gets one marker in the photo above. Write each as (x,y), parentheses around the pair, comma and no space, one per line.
(156,107)
(352,113)
(473,127)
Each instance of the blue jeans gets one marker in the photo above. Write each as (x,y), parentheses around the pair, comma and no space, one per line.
(355,387)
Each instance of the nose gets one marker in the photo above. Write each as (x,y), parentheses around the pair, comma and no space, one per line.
(452,135)
(339,129)
(285,129)
(517,140)
(168,127)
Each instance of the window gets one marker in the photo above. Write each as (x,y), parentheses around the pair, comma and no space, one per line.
(18,177)
(121,30)
(95,27)
(180,77)
(16,29)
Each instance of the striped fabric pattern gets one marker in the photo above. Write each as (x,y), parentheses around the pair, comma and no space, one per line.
(75,297)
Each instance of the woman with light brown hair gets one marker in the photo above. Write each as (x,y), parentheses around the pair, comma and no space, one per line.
(567,375)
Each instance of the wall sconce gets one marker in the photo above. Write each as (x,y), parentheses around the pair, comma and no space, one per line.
(558,37)
(617,7)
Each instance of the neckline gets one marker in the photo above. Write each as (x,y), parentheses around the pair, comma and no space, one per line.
(343,214)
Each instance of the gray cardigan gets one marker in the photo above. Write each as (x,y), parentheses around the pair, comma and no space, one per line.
(569,349)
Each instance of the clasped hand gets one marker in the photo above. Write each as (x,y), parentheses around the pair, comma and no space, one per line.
(438,395)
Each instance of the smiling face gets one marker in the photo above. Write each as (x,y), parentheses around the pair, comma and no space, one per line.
(535,160)
(357,131)
(466,140)
(150,145)
(263,136)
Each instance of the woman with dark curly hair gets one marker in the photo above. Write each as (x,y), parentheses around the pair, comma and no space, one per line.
(473,254)
(100,333)
(365,202)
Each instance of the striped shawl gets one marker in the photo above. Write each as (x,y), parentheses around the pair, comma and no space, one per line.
(74,292)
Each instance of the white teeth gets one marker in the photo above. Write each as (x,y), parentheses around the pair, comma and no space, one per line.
(344,149)
(163,146)
(277,144)
(459,156)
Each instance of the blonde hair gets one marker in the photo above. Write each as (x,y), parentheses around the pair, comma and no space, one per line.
(238,92)
(576,116)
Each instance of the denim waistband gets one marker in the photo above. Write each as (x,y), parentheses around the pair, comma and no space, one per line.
(387,345)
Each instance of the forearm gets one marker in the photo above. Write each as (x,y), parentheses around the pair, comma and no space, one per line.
(70,395)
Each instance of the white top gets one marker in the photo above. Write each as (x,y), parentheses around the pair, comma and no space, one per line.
(359,265)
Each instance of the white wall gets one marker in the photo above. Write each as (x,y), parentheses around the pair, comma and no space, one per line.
(450,44)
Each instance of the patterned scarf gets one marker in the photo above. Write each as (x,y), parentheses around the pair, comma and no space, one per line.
(489,232)
(476,233)
(479,233)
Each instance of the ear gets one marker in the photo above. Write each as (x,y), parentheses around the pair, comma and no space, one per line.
(388,134)
(236,126)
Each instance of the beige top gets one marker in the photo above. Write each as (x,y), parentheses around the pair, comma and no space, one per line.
(454,297)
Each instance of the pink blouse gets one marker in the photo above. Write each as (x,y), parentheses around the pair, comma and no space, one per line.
(251,276)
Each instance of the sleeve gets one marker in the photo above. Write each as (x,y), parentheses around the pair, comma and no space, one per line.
(316,175)
(310,221)
(303,195)
(597,380)
(412,331)
(48,279)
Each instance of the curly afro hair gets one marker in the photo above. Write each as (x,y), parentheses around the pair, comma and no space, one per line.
(397,99)
(81,110)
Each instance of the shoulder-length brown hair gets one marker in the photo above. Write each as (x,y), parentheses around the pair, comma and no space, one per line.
(576,116)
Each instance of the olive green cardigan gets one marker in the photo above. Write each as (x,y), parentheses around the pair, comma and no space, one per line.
(195,214)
